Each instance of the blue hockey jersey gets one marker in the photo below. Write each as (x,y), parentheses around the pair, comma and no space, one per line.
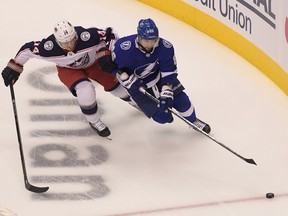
(157,66)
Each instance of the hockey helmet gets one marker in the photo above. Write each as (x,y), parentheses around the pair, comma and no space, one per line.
(64,32)
(147,29)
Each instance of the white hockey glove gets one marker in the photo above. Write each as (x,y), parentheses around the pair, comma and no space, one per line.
(129,82)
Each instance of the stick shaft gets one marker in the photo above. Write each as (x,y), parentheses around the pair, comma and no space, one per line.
(27,184)
(251,161)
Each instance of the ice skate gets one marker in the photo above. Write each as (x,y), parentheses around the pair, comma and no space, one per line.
(202,125)
(100,128)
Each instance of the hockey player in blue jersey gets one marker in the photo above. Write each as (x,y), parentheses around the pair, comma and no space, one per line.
(146,60)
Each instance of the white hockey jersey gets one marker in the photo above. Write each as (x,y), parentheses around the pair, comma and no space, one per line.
(89,42)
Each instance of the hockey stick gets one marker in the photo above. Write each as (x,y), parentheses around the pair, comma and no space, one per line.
(27,184)
(251,161)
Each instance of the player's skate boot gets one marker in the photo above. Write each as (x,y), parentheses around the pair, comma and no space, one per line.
(100,128)
(202,125)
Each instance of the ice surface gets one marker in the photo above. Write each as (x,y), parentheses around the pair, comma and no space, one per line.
(147,169)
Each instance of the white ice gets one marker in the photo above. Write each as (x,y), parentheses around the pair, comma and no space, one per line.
(147,169)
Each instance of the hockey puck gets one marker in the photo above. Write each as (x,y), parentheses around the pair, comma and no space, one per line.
(269,195)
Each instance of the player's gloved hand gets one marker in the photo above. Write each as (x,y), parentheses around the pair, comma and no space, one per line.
(166,98)
(105,62)
(11,72)
(130,82)
(109,34)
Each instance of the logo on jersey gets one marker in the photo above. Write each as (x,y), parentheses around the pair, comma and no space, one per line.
(147,69)
(125,45)
(85,36)
(48,45)
(81,62)
(167,44)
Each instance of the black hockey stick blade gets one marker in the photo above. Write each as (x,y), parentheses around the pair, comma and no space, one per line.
(250,161)
(35,189)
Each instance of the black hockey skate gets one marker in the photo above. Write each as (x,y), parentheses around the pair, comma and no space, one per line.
(202,125)
(100,128)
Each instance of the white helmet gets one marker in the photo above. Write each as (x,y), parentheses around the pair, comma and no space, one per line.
(64,31)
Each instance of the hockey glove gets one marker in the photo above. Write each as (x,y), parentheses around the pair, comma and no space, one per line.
(166,98)
(11,72)
(105,62)
(109,34)
(130,82)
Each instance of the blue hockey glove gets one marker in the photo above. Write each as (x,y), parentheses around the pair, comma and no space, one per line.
(166,98)
(130,82)
(11,72)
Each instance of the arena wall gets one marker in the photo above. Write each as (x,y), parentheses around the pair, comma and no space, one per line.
(255,29)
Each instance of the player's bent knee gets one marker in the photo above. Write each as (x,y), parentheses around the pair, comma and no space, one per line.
(162,117)
(85,93)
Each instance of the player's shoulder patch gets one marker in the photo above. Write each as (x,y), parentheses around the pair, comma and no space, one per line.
(126,45)
(85,36)
(167,44)
(48,45)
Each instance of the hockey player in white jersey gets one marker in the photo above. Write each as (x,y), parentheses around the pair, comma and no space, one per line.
(148,61)
(81,55)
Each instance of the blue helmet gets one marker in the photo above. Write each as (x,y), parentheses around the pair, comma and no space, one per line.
(147,29)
